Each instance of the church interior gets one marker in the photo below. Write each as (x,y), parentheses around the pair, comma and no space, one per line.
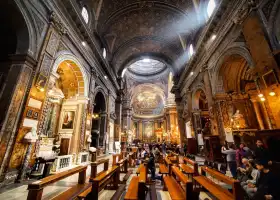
(140,99)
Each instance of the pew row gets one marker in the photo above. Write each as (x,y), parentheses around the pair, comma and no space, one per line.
(111,176)
(179,186)
(216,190)
(189,167)
(165,168)
(35,189)
(137,189)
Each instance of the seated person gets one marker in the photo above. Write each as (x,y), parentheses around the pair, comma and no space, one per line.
(244,172)
(266,186)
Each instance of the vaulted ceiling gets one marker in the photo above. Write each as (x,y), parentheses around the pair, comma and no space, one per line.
(133,28)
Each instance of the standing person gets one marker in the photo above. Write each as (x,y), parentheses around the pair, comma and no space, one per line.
(163,148)
(185,149)
(231,161)
(261,153)
(240,153)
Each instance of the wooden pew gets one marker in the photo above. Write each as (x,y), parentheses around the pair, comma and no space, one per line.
(123,164)
(36,188)
(94,166)
(165,168)
(173,157)
(131,159)
(137,187)
(111,176)
(216,190)
(117,158)
(193,171)
(174,186)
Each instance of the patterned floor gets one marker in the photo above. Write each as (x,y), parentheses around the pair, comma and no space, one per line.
(61,186)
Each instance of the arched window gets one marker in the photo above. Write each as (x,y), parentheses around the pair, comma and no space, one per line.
(104,53)
(191,50)
(211,7)
(85,14)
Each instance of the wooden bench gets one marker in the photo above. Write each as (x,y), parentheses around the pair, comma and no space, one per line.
(36,188)
(179,186)
(94,166)
(111,176)
(165,168)
(137,187)
(187,169)
(116,158)
(216,190)
(123,164)
(131,159)
(173,157)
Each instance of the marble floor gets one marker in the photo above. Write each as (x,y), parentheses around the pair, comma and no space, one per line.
(63,185)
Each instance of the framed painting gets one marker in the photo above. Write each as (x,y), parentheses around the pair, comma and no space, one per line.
(68,120)
(29,113)
(270,79)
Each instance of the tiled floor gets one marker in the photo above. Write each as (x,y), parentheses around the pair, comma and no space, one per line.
(61,186)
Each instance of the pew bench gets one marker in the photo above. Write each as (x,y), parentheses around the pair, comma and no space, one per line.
(36,188)
(137,187)
(94,166)
(123,164)
(217,190)
(189,167)
(111,176)
(165,168)
(179,186)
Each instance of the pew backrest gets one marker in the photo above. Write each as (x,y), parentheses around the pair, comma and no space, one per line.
(236,188)
(193,163)
(36,188)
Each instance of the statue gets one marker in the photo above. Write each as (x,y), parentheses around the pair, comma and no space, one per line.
(31,136)
(238,120)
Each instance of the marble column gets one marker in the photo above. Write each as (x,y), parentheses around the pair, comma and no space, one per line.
(258,113)
(24,166)
(209,96)
(15,92)
(266,116)
(140,130)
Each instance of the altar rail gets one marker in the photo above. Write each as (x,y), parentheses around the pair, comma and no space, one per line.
(62,163)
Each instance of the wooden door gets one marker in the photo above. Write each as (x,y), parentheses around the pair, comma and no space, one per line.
(64,146)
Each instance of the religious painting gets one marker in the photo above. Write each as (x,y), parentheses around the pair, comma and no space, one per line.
(35,115)
(41,81)
(148,129)
(270,78)
(68,120)
(29,113)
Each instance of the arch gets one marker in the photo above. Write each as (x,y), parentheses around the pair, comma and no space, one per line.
(196,97)
(97,90)
(100,102)
(32,28)
(231,51)
(273,27)
(77,68)
(15,34)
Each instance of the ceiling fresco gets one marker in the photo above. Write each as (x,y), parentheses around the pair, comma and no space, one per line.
(148,100)
(133,27)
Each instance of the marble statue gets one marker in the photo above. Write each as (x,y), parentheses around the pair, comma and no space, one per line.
(238,120)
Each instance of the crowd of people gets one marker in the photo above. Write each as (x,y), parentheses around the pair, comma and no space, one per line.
(253,169)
